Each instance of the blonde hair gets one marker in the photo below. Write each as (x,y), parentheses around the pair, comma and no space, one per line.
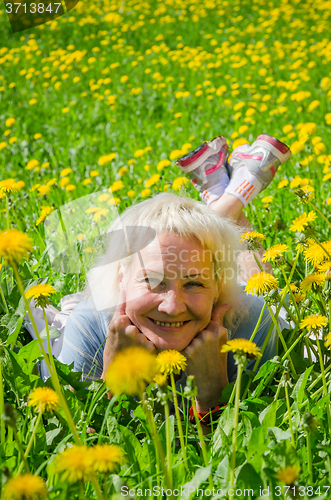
(183,216)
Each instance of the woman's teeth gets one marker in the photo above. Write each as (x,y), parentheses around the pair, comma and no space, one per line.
(160,323)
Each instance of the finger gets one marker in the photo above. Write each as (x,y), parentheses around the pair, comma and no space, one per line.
(121,304)
(219,312)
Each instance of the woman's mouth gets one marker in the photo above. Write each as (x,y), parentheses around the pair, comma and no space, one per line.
(169,325)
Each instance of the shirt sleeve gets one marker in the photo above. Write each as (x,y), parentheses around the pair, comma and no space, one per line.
(244,328)
(85,334)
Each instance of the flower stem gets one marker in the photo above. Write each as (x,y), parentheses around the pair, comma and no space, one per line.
(168,441)
(7,212)
(320,213)
(258,322)
(202,441)
(235,424)
(258,263)
(2,408)
(49,347)
(281,338)
(157,442)
(179,423)
(2,296)
(53,374)
(325,388)
(289,414)
(309,457)
(19,445)
(28,448)
(292,296)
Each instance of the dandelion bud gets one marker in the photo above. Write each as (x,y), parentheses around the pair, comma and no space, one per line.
(190,388)
(272,297)
(308,422)
(9,415)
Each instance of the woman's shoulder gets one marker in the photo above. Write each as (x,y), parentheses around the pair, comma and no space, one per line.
(85,317)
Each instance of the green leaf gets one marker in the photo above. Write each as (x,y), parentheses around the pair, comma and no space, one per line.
(248,478)
(199,477)
(53,333)
(299,388)
(267,416)
(219,440)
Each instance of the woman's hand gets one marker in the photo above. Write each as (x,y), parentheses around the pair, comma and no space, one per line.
(121,334)
(205,361)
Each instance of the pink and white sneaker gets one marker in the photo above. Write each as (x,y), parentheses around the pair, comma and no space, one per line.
(261,159)
(206,166)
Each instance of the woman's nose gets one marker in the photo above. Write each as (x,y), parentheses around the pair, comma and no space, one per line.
(172,303)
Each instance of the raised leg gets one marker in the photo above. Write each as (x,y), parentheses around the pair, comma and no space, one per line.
(231,207)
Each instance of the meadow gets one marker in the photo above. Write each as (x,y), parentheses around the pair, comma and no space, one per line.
(105,99)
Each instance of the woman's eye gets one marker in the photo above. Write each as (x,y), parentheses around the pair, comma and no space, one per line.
(152,280)
(195,283)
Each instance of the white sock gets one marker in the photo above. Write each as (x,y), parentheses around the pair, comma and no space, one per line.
(215,191)
(244,185)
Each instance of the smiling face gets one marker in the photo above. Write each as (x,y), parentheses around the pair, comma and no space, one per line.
(170,299)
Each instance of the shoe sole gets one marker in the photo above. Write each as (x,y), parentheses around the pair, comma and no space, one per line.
(189,162)
(276,147)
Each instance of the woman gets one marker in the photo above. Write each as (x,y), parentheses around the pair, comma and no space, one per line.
(172,269)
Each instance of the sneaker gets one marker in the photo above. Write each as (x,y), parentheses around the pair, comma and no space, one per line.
(262,158)
(206,163)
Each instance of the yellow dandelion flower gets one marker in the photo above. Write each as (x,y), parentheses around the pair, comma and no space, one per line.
(313,322)
(261,283)
(106,457)
(66,171)
(44,399)
(8,186)
(305,193)
(179,182)
(14,245)
(242,346)
(64,182)
(152,180)
(240,141)
(40,291)
(301,222)
(252,235)
(103,197)
(292,286)
(74,463)
(145,193)
(86,182)
(267,199)
(130,370)
(288,475)
(131,193)
(10,121)
(315,254)
(43,190)
(97,216)
(94,173)
(123,170)
(25,487)
(20,185)
(171,361)
(70,187)
(324,267)
(114,201)
(328,340)
(312,281)
(273,252)
(160,379)
(283,183)
(162,164)
(139,153)
(32,164)
(116,186)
